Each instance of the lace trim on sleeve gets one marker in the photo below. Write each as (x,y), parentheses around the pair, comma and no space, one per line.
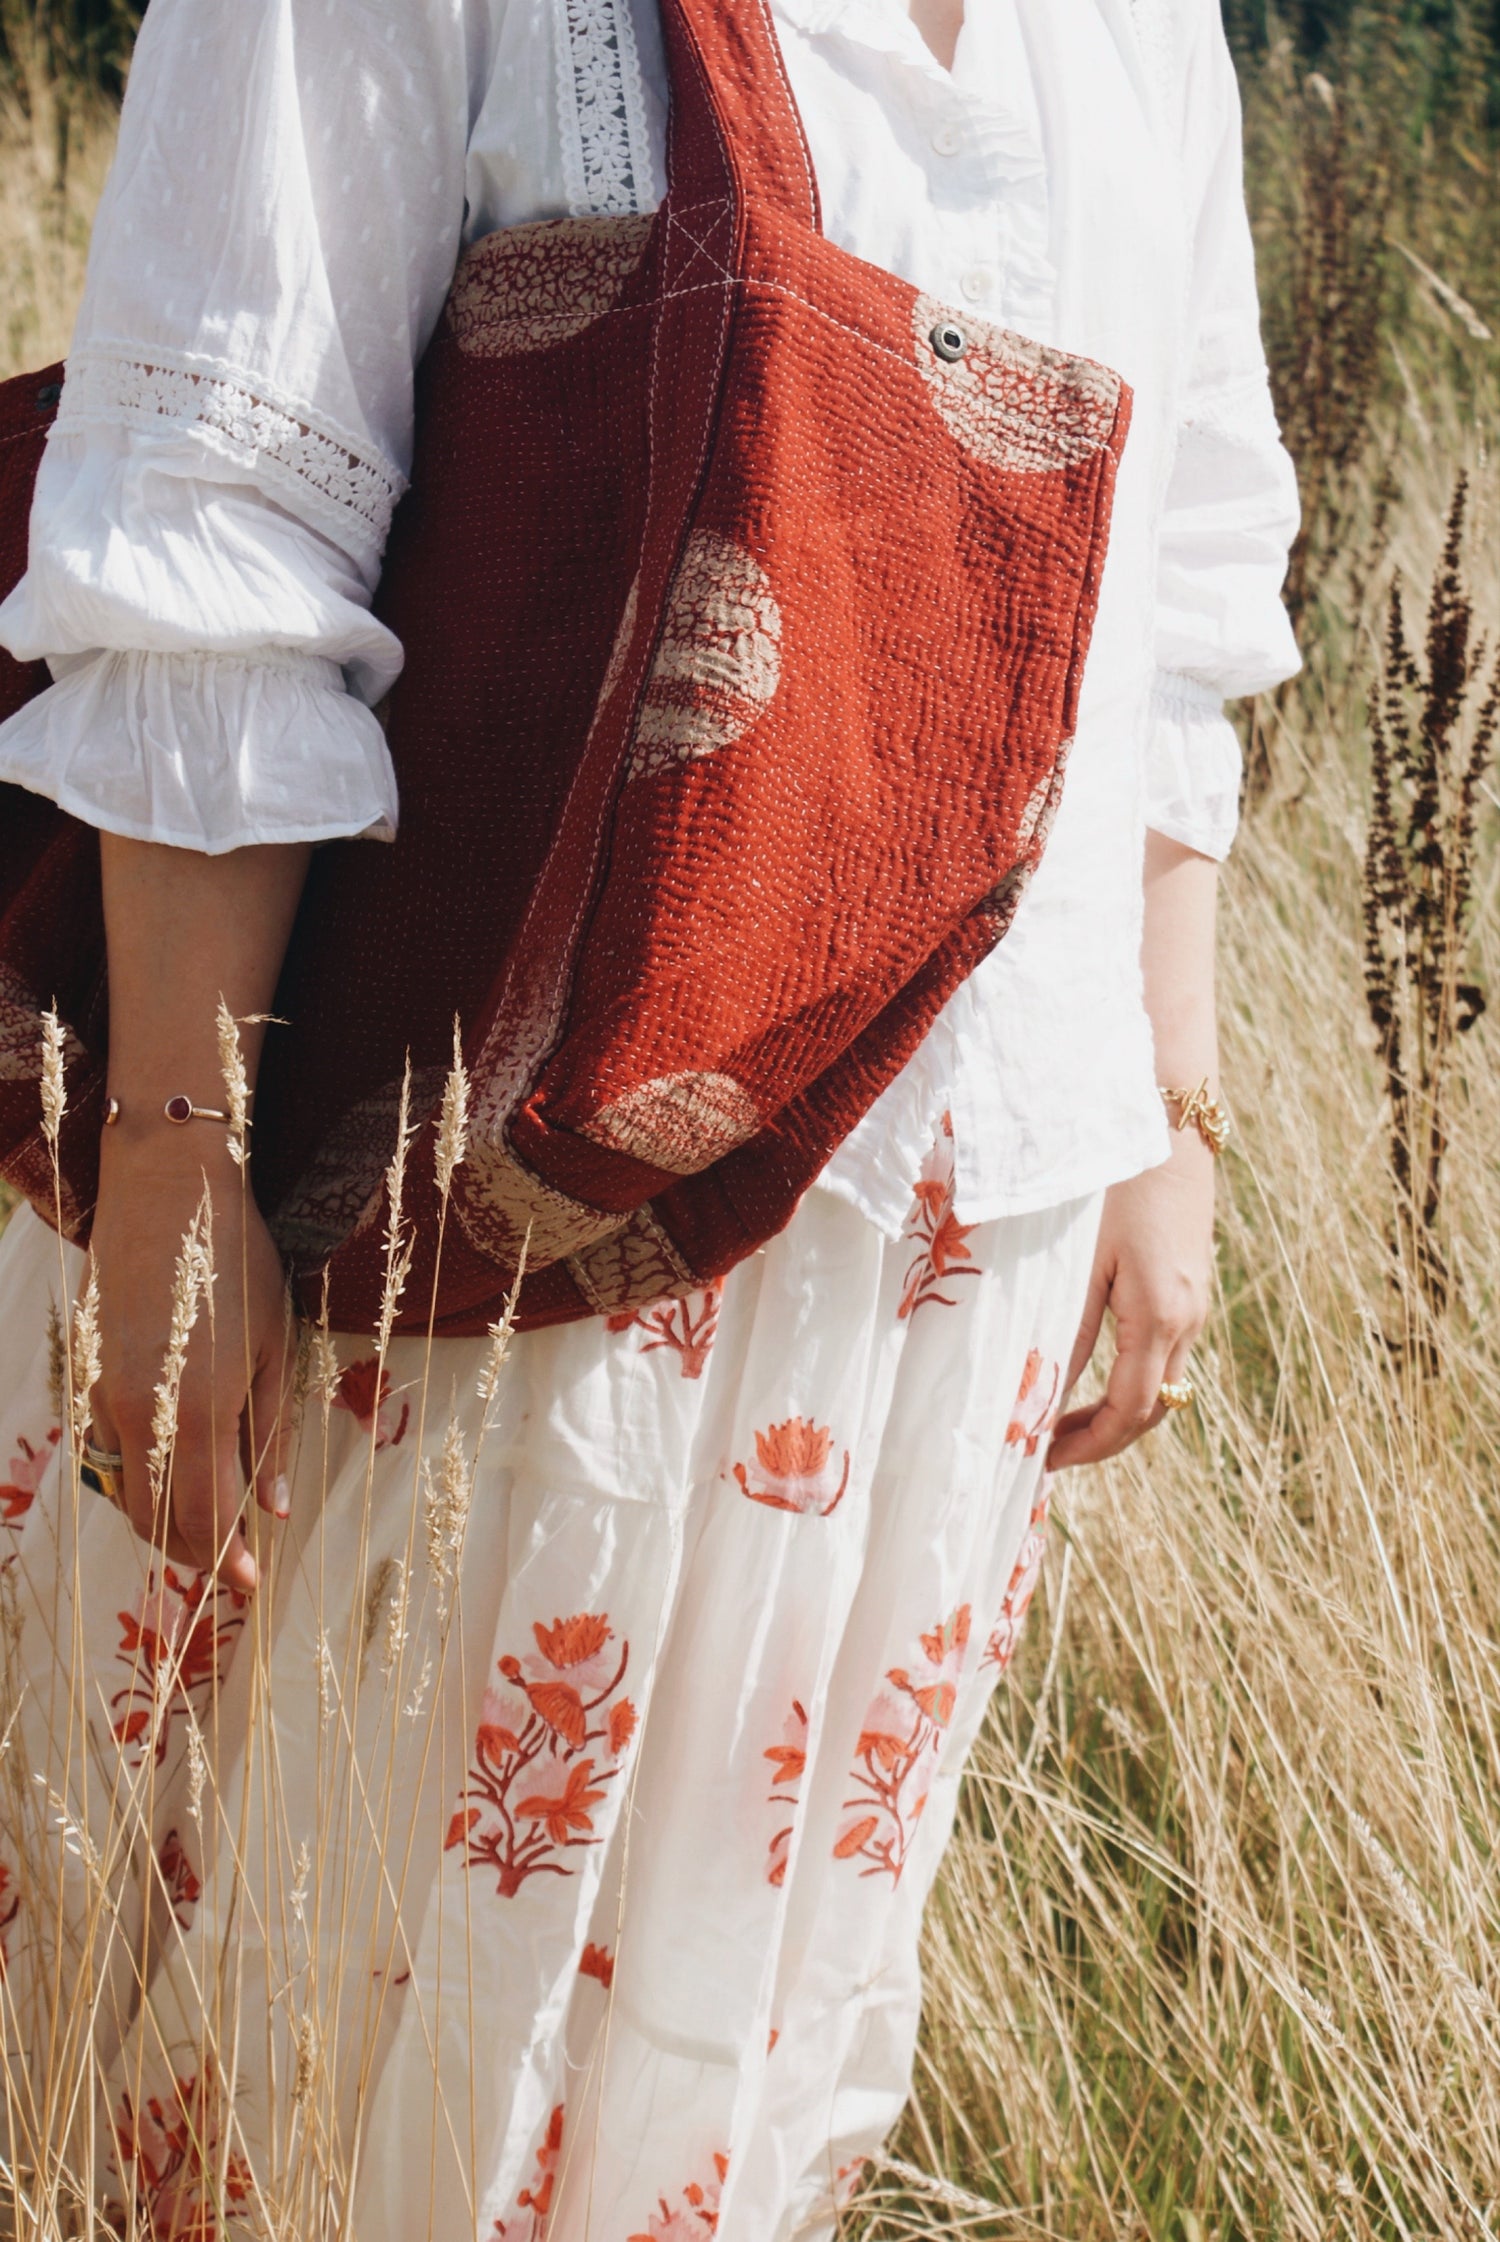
(346,490)
(601,106)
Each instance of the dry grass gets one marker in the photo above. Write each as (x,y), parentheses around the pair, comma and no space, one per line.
(1215,1955)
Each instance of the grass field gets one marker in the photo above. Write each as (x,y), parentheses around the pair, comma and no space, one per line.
(1216,1954)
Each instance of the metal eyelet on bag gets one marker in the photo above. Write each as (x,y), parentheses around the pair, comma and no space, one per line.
(948,341)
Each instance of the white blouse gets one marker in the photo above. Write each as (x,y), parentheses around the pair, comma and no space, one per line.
(294,182)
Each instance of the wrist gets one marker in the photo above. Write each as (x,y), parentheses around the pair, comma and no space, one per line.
(1196,1114)
(140,1134)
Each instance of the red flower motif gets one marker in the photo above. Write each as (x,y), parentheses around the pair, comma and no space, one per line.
(170,2150)
(460,1826)
(622,1725)
(597,1962)
(794,1459)
(28,1468)
(943,1251)
(561,1708)
(563,1815)
(175,1647)
(687,1326)
(180,1879)
(789,1758)
(897,1752)
(1034,1416)
(365,1391)
(10,1908)
(700,2215)
(541,1717)
(1021,1587)
(572,1642)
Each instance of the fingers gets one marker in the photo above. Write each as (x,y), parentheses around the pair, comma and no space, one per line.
(1154,1346)
(196,1521)
(1090,1325)
(1128,1407)
(266,1447)
(207,1490)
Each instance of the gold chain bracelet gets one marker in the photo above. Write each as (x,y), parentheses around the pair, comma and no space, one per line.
(1197,1110)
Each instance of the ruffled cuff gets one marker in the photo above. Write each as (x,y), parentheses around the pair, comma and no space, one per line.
(1193,766)
(205,751)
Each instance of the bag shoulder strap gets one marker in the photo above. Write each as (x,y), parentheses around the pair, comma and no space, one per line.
(735,129)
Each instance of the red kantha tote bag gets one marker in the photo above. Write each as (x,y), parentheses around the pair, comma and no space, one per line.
(746,593)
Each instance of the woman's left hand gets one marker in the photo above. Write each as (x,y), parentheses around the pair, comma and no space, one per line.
(1152,1269)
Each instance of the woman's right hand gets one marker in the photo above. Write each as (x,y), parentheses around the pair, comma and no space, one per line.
(231,1415)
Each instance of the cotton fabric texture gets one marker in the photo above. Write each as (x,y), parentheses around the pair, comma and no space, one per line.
(272,254)
(660,1802)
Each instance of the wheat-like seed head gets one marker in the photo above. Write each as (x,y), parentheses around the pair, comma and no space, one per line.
(57,1361)
(236,1084)
(54,1083)
(500,1336)
(307,2060)
(418,1698)
(197,1769)
(396,1617)
(400,1245)
(86,1351)
(453,1121)
(192,1286)
(327,1679)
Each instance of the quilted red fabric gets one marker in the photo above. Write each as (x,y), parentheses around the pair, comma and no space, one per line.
(746,593)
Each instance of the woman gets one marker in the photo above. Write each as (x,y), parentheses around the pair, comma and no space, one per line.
(563,1776)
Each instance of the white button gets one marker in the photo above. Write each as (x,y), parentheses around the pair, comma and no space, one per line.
(948,139)
(977,283)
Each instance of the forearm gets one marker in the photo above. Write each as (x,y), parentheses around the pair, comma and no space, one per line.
(1177,962)
(183,930)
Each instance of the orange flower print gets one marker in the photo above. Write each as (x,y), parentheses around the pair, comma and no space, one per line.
(789,1758)
(18,1491)
(898,1749)
(793,1463)
(699,2214)
(179,1878)
(169,2151)
(597,1962)
(10,1908)
(1001,1646)
(557,1700)
(688,1327)
(1035,1411)
(175,1646)
(943,1253)
(365,1391)
(846,2181)
(535,2199)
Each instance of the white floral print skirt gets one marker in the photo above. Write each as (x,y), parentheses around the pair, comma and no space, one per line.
(542,1852)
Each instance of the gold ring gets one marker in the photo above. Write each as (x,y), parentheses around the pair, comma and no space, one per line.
(102,1472)
(1182,1395)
